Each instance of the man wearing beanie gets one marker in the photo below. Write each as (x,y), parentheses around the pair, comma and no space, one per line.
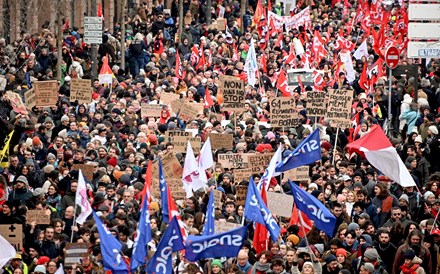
(331,265)
(21,191)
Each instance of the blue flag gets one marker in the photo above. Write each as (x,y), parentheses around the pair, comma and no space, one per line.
(143,237)
(161,262)
(208,228)
(110,249)
(256,210)
(163,194)
(307,152)
(226,244)
(314,209)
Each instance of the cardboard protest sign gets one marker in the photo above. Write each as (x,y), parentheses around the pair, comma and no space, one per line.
(219,141)
(176,188)
(180,141)
(166,98)
(148,110)
(13,233)
(29,99)
(223,226)
(339,107)
(298,174)
(75,252)
(188,112)
(39,216)
(242,174)
(16,102)
(258,162)
(218,195)
(282,112)
(105,79)
(87,170)
(221,24)
(173,176)
(176,105)
(81,91)
(280,204)
(240,193)
(316,104)
(233,160)
(46,93)
(232,90)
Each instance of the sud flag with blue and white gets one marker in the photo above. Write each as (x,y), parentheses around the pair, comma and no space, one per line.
(226,244)
(143,236)
(256,210)
(317,212)
(307,152)
(110,249)
(270,170)
(208,228)
(162,260)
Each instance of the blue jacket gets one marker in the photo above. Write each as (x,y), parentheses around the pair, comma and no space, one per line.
(411,118)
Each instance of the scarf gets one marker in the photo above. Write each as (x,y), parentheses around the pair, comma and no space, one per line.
(406,269)
(260,267)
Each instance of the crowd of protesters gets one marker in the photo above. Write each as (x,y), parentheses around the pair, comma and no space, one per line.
(381,226)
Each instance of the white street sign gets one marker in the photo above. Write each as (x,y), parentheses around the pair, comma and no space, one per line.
(88,27)
(424,30)
(423,49)
(92,20)
(424,11)
(93,40)
(93,33)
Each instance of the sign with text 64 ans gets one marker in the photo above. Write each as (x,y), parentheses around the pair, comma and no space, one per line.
(423,49)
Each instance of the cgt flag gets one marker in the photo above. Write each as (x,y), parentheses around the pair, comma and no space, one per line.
(226,244)
(256,210)
(314,209)
(307,152)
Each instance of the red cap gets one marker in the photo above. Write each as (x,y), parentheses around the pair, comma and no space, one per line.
(43,260)
(436,232)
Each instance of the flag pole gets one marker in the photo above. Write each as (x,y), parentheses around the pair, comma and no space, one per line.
(334,148)
(74,222)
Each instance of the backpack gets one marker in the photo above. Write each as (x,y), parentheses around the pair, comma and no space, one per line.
(136,49)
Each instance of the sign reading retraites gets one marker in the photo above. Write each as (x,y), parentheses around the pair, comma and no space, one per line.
(46,93)
(81,91)
(222,226)
(240,193)
(29,99)
(280,204)
(298,174)
(282,112)
(13,233)
(339,107)
(316,104)
(39,216)
(233,93)
(219,141)
(75,252)
(148,110)
(258,162)
(233,160)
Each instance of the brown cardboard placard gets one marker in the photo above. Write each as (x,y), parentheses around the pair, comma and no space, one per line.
(148,110)
(233,93)
(188,112)
(46,93)
(87,170)
(16,102)
(316,106)
(218,195)
(259,162)
(280,204)
(283,113)
(219,141)
(298,174)
(13,233)
(222,226)
(30,99)
(75,252)
(39,216)
(81,90)
(166,98)
(240,194)
(339,107)
(233,160)
(242,174)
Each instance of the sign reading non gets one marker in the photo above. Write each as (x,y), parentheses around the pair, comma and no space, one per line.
(81,91)
(282,112)
(46,93)
(316,104)
(233,93)
(280,204)
(221,141)
(339,107)
(13,233)
(41,217)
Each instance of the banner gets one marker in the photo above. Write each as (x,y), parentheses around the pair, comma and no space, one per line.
(316,106)
(339,108)
(300,19)
(46,93)
(233,93)
(282,112)
(81,91)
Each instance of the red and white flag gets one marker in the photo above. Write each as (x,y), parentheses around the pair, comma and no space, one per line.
(378,150)
(282,84)
(180,73)
(81,199)
(192,178)
(305,222)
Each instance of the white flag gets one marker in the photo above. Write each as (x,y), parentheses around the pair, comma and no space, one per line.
(205,159)
(60,270)
(251,65)
(7,251)
(348,65)
(270,170)
(81,199)
(192,178)
(361,51)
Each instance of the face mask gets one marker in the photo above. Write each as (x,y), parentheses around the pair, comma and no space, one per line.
(328,192)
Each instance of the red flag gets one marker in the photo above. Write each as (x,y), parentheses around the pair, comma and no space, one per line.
(259,12)
(363,80)
(318,49)
(318,80)
(195,56)
(300,83)
(180,73)
(279,40)
(99,11)
(291,58)
(296,220)
(208,100)
(282,84)
(269,6)
(147,186)
(202,60)
(271,28)
(105,69)
(343,43)
(263,62)
(65,26)
(235,53)
(260,241)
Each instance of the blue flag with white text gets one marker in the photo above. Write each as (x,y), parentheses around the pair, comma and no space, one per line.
(256,210)
(208,229)
(110,249)
(143,236)
(172,241)
(226,244)
(314,209)
(307,152)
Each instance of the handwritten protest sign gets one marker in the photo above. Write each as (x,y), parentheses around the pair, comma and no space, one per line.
(16,102)
(180,141)
(233,93)
(219,141)
(148,110)
(242,174)
(218,195)
(75,252)
(13,233)
(339,107)
(282,112)
(259,162)
(316,104)
(173,175)
(298,174)
(46,93)
(233,160)
(280,204)
(240,193)
(39,216)
(87,170)
(29,99)
(166,98)
(81,91)
(188,112)
(223,226)
(177,105)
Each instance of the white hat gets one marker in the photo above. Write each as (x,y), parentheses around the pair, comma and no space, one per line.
(418,139)
(208,124)
(433,129)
